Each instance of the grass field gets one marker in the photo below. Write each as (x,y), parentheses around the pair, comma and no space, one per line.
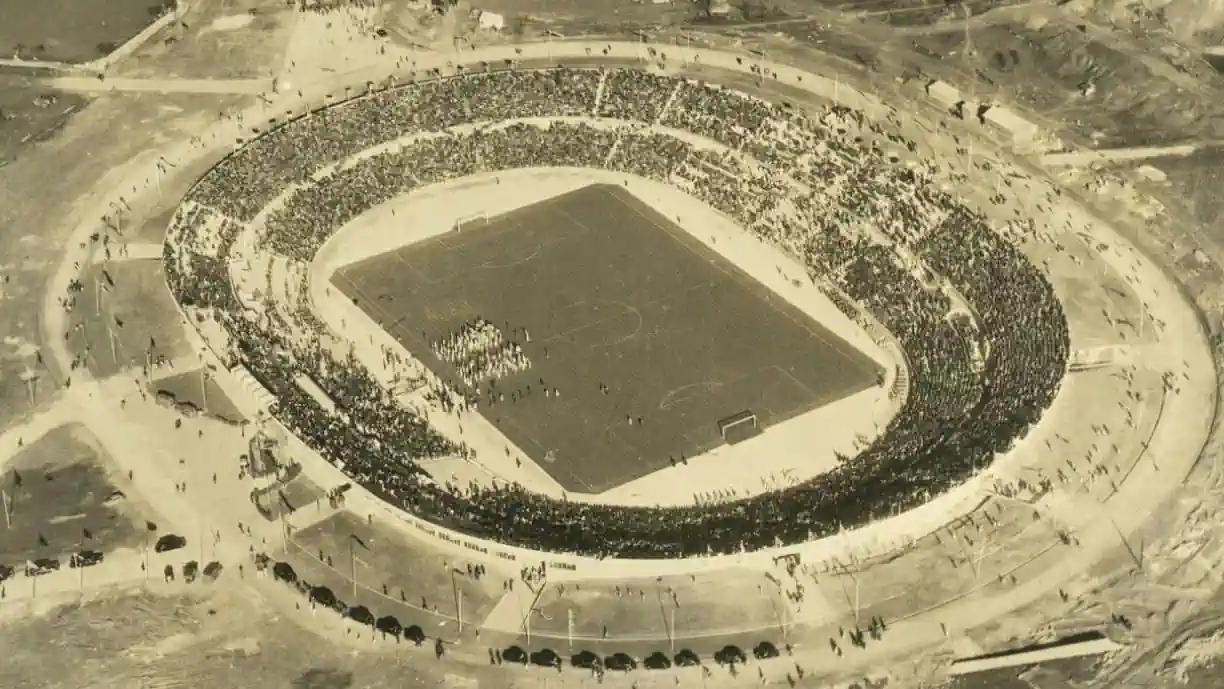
(140,300)
(729,602)
(65,31)
(610,292)
(388,559)
(65,485)
(299,494)
(204,393)
(30,115)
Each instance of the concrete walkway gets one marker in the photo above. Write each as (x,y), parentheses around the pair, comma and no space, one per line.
(1119,155)
(216,86)
(135,251)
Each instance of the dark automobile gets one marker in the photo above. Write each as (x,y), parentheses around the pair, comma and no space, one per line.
(6,572)
(657,661)
(85,558)
(191,570)
(169,542)
(730,655)
(687,658)
(283,571)
(620,662)
(41,566)
(765,650)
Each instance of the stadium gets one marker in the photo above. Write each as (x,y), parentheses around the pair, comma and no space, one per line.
(969,344)
(812,345)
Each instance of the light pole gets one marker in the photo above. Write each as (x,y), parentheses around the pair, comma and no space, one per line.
(855,602)
(458,599)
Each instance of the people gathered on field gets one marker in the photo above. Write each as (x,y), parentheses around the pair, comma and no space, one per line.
(824,186)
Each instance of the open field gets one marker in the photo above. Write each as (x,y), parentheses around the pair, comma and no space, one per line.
(610,293)
(66,486)
(134,308)
(300,494)
(219,637)
(730,602)
(231,40)
(411,573)
(201,392)
(61,31)
(31,115)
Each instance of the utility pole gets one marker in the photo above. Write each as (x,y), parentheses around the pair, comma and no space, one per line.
(8,515)
(569,630)
(204,386)
(458,599)
(671,631)
(114,350)
(353,566)
(855,602)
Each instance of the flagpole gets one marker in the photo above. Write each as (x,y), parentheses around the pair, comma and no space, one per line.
(353,565)
(8,517)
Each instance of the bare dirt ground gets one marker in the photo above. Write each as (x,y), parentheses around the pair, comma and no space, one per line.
(217,636)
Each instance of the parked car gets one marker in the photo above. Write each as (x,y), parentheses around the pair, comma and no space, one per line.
(41,566)
(85,558)
(6,572)
(169,542)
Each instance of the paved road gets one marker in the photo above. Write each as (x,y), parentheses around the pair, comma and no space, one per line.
(109,84)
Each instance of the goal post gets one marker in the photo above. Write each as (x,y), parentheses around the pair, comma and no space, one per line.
(465,221)
(737,427)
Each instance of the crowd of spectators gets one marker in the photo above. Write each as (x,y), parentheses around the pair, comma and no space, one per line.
(826,186)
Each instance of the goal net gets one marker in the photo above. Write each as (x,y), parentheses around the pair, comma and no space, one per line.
(470,220)
(738,427)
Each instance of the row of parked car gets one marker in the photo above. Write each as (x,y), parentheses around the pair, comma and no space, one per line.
(84,558)
(730,655)
(623,662)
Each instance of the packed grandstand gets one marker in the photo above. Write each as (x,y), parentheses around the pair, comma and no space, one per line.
(826,186)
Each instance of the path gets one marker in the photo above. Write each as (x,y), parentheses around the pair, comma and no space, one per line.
(212,86)
(1121,155)
(135,251)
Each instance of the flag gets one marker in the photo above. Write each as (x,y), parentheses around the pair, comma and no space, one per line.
(42,540)
(16,478)
(151,526)
(86,534)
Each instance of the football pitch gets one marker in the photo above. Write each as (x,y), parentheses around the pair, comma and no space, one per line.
(626,316)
